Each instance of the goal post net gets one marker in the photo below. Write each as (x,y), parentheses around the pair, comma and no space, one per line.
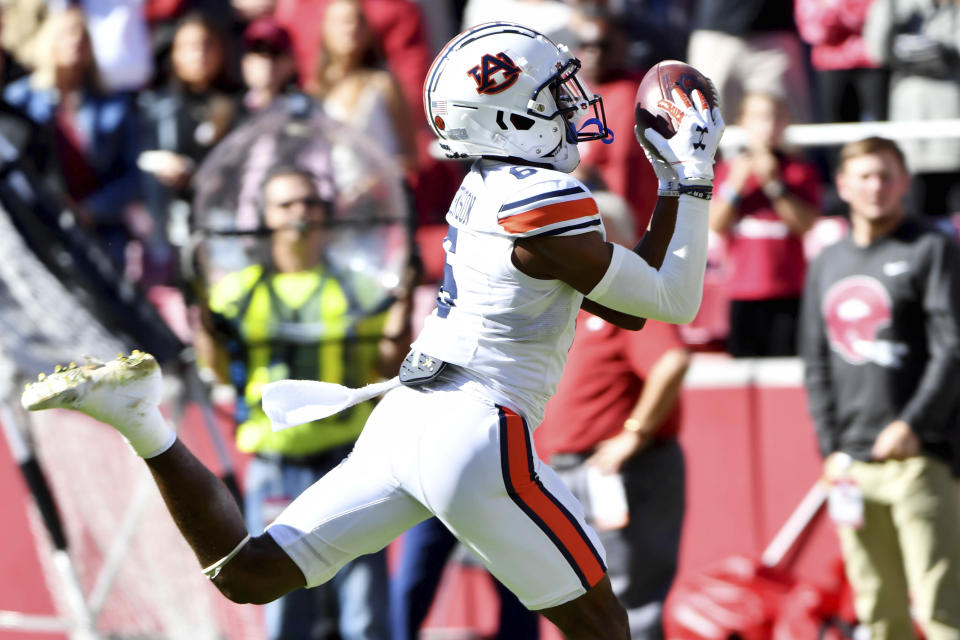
(132,575)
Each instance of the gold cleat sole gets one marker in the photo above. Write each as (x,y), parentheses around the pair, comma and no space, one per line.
(68,384)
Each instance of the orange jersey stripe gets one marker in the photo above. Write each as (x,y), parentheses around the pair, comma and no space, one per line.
(525,489)
(549,214)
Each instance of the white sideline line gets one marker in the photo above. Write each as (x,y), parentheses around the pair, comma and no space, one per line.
(837,133)
(718,370)
(32,623)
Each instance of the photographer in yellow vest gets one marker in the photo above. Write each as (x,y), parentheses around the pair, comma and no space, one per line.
(292,317)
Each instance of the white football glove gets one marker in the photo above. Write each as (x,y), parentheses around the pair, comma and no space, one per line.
(691,150)
(664,172)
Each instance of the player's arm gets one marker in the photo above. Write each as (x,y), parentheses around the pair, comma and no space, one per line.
(623,281)
(652,248)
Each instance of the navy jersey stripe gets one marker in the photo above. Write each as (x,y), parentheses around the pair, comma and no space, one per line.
(542,196)
(581,225)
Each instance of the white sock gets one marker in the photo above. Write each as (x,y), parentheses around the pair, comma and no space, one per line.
(148,433)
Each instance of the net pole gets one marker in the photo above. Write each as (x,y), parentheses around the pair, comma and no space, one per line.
(81,627)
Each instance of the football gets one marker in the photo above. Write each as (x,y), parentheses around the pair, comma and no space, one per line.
(655,94)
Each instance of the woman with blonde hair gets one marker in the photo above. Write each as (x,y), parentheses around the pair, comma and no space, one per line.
(95,133)
(354,86)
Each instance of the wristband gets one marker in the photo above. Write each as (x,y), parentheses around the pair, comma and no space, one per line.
(774,189)
(697,191)
(632,424)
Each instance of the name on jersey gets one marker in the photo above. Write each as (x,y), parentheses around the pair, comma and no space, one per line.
(461,205)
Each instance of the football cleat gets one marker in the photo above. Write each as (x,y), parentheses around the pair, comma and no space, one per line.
(124,393)
(107,391)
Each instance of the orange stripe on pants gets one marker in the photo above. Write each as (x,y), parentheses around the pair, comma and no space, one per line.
(550,515)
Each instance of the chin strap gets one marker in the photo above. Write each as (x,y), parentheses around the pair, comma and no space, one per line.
(607,139)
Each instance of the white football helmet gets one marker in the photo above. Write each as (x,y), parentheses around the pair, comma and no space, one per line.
(504,90)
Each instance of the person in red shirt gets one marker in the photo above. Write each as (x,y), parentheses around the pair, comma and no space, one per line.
(615,418)
(766,199)
(853,85)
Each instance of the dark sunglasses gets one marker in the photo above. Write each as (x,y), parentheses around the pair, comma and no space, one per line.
(310,201)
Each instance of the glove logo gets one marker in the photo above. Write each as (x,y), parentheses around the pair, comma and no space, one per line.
(490,65)
(699,143)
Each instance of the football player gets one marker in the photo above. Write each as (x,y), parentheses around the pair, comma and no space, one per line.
(525,251)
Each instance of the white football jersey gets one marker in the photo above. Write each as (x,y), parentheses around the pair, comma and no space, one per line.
(507,333)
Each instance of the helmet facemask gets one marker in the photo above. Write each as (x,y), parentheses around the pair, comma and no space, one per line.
(574,104)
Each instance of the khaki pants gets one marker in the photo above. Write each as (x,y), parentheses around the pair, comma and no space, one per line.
(908,546)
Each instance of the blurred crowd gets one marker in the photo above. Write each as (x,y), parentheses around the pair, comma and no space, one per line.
(121,101)
(125,99)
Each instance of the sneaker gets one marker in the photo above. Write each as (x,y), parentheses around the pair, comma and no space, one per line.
(107,391)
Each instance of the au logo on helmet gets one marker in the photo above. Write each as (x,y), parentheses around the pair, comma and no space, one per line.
(485,73)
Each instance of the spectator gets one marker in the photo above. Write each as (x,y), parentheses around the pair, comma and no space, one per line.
(621,165)
(920,41)
(121,42)
(94,132)
(749,46)
(767,198)
(397,27)
(32,141)
(852,85)
(267,65)
(354,86)
(249,11)
(881,344)
(184,119)
(615,413)
(293,318)
(658,29)
(10,68)
(442,20)
(22,20)
(553,18)
(425,551)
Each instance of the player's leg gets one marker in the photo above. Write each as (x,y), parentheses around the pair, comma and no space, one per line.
(595,615)
(125,393)
(355,601)
(479,474)
(354,510)
(210,521)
